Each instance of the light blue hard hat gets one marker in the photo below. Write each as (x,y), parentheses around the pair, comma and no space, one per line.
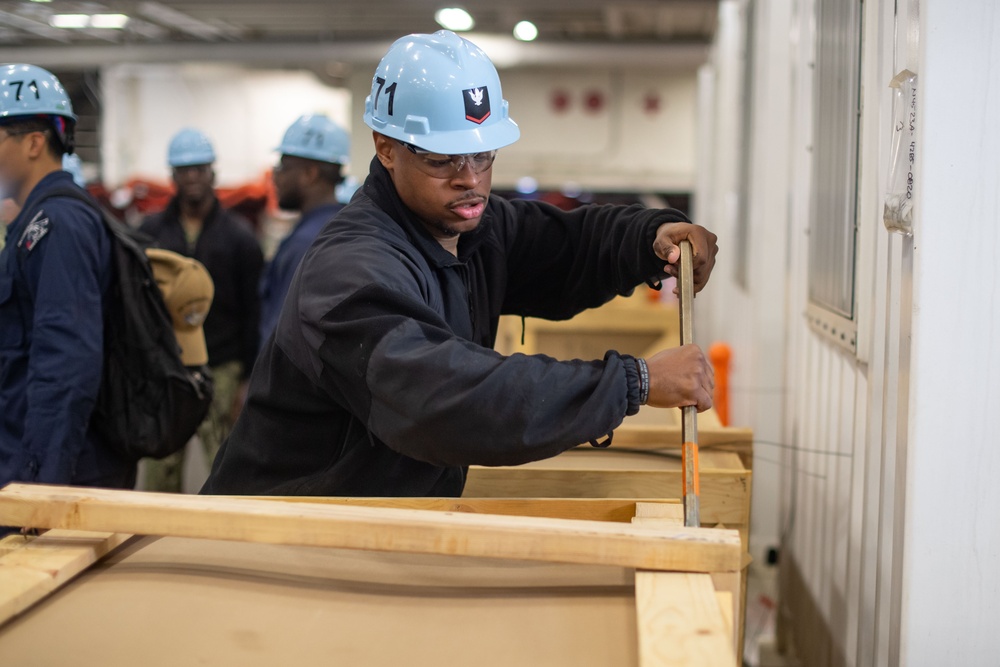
(346,189)
(190,147)
(73,165)
(316,137)
(441,93)
(29,90)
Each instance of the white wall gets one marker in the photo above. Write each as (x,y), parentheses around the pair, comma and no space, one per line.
(887,454)
(244,111)
(749,318)
(951,582)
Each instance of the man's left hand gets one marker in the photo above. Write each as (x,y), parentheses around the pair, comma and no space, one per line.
(703,246)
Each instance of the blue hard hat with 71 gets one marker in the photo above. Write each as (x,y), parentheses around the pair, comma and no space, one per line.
(441,93)
(29,90)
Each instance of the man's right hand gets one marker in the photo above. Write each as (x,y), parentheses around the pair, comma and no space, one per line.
(680,376)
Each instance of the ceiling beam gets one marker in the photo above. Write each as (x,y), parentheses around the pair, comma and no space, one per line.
(504,51)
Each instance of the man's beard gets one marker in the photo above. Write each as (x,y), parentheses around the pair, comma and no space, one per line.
(443,228)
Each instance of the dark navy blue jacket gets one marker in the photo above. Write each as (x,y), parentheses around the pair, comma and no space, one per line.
(381,380)
(279,271)
(55,276)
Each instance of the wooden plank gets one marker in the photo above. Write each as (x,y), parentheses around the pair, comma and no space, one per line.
(651,436)
(725,494)
(40,567)
(732,584)
(679,621)
(634,435)
(12,542)
(371,528)
(725,599)
(652,515)
(672,510)
(595,509)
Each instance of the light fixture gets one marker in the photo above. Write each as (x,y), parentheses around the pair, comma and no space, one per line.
(454,18)
(108,21)
(79,21)
(525,31)
(69,20)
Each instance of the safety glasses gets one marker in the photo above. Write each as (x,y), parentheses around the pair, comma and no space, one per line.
(449,166)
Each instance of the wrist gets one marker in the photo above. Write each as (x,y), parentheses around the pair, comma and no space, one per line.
(643,370)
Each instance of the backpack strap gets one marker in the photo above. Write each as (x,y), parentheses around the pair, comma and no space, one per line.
(115,226)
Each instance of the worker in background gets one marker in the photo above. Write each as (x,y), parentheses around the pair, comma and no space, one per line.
(55,282)
(380,378)
(195,224)
(72,164)
(313,152)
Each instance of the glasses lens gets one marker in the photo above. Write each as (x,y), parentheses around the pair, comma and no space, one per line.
(449,166)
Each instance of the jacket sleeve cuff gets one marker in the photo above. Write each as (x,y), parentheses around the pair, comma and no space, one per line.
(631,384)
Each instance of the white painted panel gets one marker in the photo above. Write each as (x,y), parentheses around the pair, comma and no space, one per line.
(842,476)
(622,125)
(951,581)
(244,111)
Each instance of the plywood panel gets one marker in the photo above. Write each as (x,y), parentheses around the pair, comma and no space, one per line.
(173,601)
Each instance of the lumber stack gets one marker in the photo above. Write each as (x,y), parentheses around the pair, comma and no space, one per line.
(265,580)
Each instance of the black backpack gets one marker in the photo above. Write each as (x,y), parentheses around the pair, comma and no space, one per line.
(150,404)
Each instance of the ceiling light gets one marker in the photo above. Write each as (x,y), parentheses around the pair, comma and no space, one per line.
(454,18)
(69,20)
(525,31)
(77,21)
(108,21)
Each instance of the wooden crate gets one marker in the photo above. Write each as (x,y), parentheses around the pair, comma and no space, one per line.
(642,463)
(656,429)
(307,583)
(632,325)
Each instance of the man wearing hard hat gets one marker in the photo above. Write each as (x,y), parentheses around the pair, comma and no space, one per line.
(383,381)
(55,286)
(313,152)
(194,224)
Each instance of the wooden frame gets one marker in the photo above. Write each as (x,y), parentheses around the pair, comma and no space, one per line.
(677,624)
(643,463)
(594,473)
(660,430)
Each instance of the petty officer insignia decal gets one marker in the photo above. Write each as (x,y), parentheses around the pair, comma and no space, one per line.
(477,104)
(33,233)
